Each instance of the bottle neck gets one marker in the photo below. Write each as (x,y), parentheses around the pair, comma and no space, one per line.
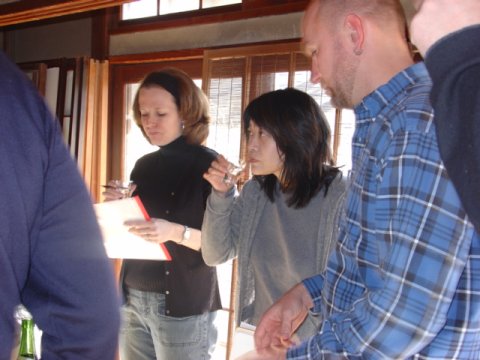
(27,341)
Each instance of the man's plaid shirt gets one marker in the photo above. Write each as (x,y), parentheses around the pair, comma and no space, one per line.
(404,280)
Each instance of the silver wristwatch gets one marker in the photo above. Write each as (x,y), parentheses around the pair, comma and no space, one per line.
(186,234)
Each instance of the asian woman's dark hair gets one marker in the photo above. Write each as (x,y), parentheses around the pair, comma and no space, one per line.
(302,134)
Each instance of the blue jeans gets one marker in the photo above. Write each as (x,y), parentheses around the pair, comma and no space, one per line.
(148,334)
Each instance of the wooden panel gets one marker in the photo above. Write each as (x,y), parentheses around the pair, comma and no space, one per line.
(29,10)
(174,55)
(37,72)
(93,162)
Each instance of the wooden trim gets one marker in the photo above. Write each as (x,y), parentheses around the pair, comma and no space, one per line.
(100,37)
(156,57)
(245,100)
(231,311)
(61,95)
(29,10)
(291,70)
(94,142)
(116,126)
(271,47)
(38,73)
(87,162)
(80,102)
(283,47)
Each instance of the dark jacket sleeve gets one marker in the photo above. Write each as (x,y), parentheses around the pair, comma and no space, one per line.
(51,253)
(454,65)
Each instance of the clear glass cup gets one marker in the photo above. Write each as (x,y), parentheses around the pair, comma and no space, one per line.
(126,188)
(234,171)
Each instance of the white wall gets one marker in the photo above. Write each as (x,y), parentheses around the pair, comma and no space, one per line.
(72,38)
(268,28)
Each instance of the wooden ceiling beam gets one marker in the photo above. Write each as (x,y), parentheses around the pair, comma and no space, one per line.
(28,10)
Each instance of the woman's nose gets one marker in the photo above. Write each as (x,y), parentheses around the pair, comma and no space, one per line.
(147,121)
(252,144)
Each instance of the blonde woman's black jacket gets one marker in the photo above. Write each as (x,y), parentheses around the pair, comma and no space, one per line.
(170,185)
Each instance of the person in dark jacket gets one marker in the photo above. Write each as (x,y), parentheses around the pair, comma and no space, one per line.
(52,259)
(447,33)
(170,305)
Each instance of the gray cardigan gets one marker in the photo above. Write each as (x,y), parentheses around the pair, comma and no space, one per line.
(229,226)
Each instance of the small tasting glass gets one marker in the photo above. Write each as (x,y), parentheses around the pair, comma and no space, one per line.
(125,187)
(234,170)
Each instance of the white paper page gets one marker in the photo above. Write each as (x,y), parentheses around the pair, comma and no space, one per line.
(118,241)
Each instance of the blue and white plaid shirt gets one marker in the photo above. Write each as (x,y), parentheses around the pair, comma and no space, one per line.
(404,280)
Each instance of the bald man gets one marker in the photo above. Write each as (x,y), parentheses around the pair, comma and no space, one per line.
(404,279)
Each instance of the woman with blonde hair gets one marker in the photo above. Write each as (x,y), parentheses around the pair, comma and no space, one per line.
(170,306)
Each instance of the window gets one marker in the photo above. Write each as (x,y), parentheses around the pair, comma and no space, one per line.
(130,144)
(234,77)
(135,147)
(147,8)
(231,78)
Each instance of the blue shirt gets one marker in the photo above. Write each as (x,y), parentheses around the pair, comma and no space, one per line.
(404,280)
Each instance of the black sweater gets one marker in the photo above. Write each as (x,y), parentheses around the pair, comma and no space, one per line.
(170,184)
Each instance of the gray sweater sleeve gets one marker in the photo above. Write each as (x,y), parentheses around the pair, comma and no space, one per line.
(329,223)
(221,226)
(229,223)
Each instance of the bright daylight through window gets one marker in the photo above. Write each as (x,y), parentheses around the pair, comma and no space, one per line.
(146,8)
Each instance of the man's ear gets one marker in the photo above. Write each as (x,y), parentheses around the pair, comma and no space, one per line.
(354,26)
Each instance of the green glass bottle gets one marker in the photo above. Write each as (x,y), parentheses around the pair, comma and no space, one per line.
(27,341)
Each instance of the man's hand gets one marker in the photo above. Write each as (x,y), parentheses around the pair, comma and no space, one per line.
(438,18)
(278,324)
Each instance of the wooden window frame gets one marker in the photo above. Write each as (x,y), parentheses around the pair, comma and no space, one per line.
(28,10)
(283,47)
(248,9)
(131,69)
(291,49)
(75,97)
